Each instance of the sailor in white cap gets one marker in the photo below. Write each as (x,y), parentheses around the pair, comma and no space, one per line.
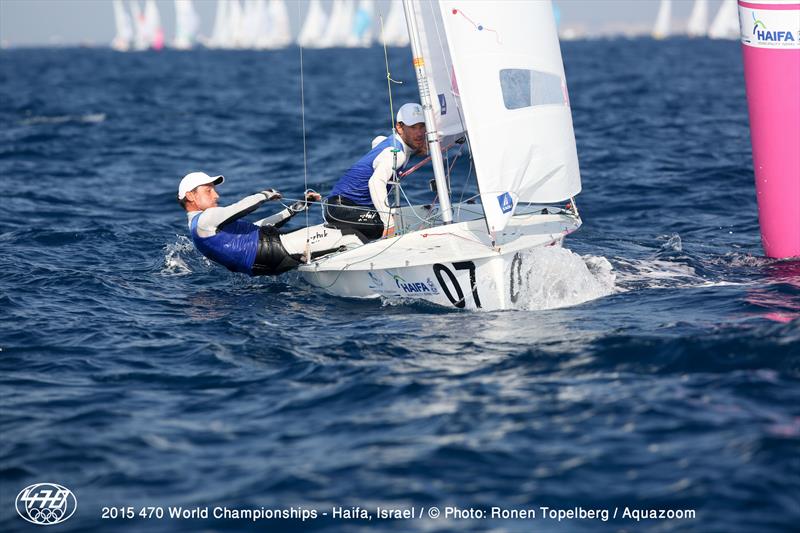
(253,248)
(359,200)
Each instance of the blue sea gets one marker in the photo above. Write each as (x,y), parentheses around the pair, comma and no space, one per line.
(653,366)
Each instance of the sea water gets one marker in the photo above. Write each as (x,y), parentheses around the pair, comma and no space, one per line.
(653,364)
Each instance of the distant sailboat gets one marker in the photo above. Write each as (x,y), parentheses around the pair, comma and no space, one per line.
(153,26)
(394,26)
(661,27)
(235,25)
(339,24)
(726,23)
(311,34)
(220,36)
(253,32)
(187,23)
(140,41)
(698,20)
(361,32)
(124,36)
(280,32)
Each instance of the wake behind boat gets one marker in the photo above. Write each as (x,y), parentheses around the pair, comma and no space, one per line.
(485,75)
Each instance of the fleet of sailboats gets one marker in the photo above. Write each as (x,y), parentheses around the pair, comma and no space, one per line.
(265,24)
(724,26)
(260,25)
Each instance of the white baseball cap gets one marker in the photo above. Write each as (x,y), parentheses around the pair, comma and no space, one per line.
(195,179)
(410,114)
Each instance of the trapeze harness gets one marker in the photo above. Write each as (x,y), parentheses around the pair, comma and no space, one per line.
(349,206)
(245,247)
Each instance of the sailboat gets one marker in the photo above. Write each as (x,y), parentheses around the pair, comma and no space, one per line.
(361,32)
(220,35)
(340,22)
(726,23)
(153,30)
(313,27)
(187,23)
(485,76)
(280,34)
(698,19)
(394,27)
(122,40)
(661,27)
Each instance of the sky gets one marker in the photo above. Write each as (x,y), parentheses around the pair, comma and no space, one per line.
(91,22)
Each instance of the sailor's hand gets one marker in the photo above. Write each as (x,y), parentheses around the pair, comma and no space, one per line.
(313,196)
(271,194)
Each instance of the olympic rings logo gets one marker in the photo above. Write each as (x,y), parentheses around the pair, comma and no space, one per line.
(46,504)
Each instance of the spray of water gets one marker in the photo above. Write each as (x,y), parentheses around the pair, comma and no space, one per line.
(556,277)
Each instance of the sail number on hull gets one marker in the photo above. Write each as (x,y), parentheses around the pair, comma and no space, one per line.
(457,299)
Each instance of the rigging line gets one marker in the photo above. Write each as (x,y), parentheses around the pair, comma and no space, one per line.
(389,79)
(305,152)
(348,265)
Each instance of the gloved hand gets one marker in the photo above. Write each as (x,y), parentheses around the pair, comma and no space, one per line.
(271,194)
(302,205)
(313,196)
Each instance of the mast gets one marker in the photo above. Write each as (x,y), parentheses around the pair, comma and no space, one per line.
(434,149)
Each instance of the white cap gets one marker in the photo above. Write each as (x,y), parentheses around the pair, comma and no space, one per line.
(195,179)
(410,114)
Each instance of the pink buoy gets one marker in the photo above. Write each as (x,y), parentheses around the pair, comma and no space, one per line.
(770,32)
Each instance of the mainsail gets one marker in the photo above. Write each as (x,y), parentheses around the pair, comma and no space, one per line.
(504,84)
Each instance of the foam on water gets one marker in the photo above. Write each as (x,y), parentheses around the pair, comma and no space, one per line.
(557,277)
(174,262)
(89,118)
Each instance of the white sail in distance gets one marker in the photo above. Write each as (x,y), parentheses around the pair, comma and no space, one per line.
(253,31)
(661,28)
(280,32)
(361,31)
(313,26)
(726,23)
(698,19)
(236,25)
(124,36)
(395,32)
(140,41)
(187,24)
(220,36)
(340,22)
(513,98)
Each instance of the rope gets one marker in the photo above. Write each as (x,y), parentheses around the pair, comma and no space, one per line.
(389,79)
(307,254)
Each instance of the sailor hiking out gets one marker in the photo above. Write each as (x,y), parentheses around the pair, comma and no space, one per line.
(253,248)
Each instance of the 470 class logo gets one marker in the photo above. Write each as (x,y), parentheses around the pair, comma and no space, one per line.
(46,504)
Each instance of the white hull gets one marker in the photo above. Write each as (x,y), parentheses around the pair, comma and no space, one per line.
(452,266)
